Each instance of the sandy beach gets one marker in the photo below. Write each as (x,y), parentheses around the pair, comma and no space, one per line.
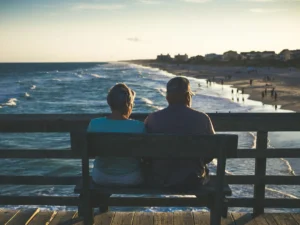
(285,81)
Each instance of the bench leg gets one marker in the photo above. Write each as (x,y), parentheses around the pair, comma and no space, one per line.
(87,211)
(215,216)
(216,211)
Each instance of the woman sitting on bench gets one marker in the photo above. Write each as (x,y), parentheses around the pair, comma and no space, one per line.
(110,170)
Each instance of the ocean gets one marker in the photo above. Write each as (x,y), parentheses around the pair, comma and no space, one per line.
(82,88)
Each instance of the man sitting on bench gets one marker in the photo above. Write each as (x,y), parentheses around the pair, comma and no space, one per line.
(179,118)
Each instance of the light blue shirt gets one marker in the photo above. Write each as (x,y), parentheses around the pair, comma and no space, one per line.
(113,166)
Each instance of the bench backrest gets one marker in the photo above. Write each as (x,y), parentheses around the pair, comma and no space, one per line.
(161,145)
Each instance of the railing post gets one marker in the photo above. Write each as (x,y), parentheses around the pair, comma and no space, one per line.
(260,172)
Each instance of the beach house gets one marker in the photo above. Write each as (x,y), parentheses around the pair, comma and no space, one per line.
(284,55)
(196,59)
(268,55)
(212,56)
(164,58)
(181,58)
(295,54)
(230,55)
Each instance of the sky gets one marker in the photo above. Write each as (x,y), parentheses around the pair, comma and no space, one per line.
(111,30)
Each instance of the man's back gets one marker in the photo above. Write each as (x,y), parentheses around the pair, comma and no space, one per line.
(178,119)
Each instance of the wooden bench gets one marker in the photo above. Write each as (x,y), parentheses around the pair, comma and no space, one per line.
(161,146)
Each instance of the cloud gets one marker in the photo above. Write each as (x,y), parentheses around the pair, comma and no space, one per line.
(150,2)
(91,6)
(197,1)
(133,39)
(260,10)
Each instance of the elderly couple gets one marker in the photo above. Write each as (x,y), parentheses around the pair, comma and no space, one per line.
(177,118)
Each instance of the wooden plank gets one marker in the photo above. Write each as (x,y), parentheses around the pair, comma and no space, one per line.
(261,220)
(39,180)
(42,218)
(203,218)
(144,218)
(296,216)
(122,218)
(23,217)
(73,180)
(62,217)
(260,172)
(163,218)
(79,122)
(284,219)
(6,215)
(104,218)
(36,154)
(269,153)
(269,218)
(68,154)
(161,146)
(39,200)
(183,218)
(243,219)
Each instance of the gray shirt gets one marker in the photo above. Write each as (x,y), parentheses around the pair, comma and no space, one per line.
(177,119)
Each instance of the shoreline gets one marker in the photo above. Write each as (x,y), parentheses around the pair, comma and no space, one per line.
(285,81)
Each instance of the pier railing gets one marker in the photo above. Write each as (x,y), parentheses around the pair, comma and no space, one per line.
(262,123)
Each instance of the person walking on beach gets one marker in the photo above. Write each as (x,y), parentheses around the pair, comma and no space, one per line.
(275,96)
(272,92)
(251,81)
(266,91)
(262,94)
(181,173)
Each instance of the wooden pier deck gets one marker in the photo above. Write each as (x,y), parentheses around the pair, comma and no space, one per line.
(40,217)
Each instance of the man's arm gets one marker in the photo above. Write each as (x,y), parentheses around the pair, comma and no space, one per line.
(210,130)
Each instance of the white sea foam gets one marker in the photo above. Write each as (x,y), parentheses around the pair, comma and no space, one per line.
(147,101)
(11,102)
(26,95)
(162,91)
(56,79)
(96,75)
(33,87)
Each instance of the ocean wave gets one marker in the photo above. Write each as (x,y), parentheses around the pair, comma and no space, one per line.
(26,95)
(33,87)
(162,91)
(56,79)
(146,100)
(96,75)
(11,102)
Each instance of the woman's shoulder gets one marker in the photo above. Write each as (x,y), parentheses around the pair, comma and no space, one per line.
(136,123)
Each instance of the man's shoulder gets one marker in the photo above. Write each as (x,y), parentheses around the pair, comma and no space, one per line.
(197,113)
(158,113)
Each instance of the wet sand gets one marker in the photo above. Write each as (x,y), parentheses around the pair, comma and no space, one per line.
(286,81)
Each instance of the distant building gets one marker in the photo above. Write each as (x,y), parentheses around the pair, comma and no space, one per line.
(196,59)
(295,54)
(250,55)
(181,58)
(230,55)
(244,55)
(284,55)
(164,58)
(268,55)
(213,56)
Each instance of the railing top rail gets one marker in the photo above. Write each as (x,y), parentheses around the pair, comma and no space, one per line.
(79,122)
